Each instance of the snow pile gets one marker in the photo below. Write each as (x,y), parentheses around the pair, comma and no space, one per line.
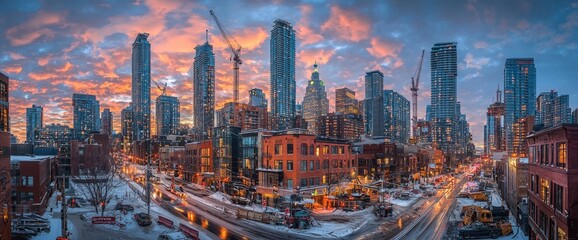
(221,197)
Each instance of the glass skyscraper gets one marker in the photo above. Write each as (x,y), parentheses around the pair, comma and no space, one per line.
(168,115)
(373,103)
(493,130)
(86,115)
(126,128)
(257,98)
(345,101)
(33,122)
(552,109)
(396,116)
(282,74)
(141,87)
(315,102)
(444,73)
(204,90)
(519,94)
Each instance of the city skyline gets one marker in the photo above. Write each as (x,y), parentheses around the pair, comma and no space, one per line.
(347,40)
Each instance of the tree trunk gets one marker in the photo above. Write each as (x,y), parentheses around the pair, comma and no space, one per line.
(96,208)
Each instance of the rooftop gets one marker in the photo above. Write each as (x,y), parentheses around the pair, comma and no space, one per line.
(30,157)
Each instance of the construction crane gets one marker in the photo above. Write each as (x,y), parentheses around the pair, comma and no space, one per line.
(236,50)
(414,88)
(163,88)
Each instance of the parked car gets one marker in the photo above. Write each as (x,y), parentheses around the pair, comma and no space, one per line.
(143,219)
(127,207)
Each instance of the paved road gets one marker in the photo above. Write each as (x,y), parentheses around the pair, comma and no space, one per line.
(433,222)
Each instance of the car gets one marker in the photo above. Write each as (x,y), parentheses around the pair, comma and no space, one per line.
(143,219)
(127,207)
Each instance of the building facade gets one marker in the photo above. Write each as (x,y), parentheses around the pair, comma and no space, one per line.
(396,116)
(493,130)
(345,101)
(575,116)
(373,104)
(340,126)
(257,98)
(34,117)
(32,176)
(168,115)
(106,122)
(243,116)
(552,109)
(86,115)
(226,156)
(519,94)
(283,88)
(141,88)
(203,73)
(444,75)
(553,182)
(315,102)
(5,189)
(53,135)
(126,128)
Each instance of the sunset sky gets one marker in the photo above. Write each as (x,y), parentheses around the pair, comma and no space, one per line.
(51,49)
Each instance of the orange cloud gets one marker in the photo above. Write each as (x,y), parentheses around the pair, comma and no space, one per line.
(41,76)
(34,28)
(388,51)
(305,33)
(67,66)
(249,38)
(13,69)
(16,56)
(348,24)
(310,56)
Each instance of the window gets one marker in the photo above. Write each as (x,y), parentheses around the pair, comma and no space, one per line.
(558,196)
(26,196)
(325,164)
(303,165)
(290,148)
(303,149)
(532,154)
(27,181)
(546,161)
(333,149)
(562,153)
(325,149)
(311,181)
(303,182)
(278,149)
(341,150)
(318,165)
(532,179)
(279,164)
(311,165)
(311,150)
(317,151)
(545,191)
(290,183)
(289,165)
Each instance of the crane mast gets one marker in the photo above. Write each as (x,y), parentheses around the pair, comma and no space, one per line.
(414,88)
(236,50)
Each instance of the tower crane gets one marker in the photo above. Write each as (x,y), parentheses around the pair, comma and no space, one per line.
(414,88)
(235,48)
(163,88)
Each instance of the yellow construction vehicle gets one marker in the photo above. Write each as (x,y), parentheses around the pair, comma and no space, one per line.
(479,196)
(475,213)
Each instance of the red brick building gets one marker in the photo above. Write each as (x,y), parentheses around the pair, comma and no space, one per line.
(31,178)
(4,158)
(242,115)
(553,183)
(198,161)
(302,161)
(97,152)
(378,159)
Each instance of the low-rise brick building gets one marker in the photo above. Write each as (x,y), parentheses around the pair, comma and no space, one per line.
(553,182)
(31,179)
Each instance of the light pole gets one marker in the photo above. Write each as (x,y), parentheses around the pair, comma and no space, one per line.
(148,177)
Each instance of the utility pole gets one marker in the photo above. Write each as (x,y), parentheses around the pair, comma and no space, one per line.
(63,223)
(148,177)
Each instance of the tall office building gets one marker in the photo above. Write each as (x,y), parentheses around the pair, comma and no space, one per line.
(345,102)
(53,135)
(257,98)
(5,189)
(283,74)
(373,104)
(444,74)
(493,130)
(552,109)
(396,116)
(106,122)
(126,128)
(141,87)
(34,117)
(168,115)
(86,115)
(519,94)
(204,90)
(575,116)
(315,102)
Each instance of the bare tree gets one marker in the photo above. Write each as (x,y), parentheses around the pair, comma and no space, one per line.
(97,180)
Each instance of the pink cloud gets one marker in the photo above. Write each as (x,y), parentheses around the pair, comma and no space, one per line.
(305,33)
(13,69)
(34,28)
(348,24)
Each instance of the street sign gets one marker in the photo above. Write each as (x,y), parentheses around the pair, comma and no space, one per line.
(103,220)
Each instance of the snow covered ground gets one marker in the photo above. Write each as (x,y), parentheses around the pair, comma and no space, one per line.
(405,203)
